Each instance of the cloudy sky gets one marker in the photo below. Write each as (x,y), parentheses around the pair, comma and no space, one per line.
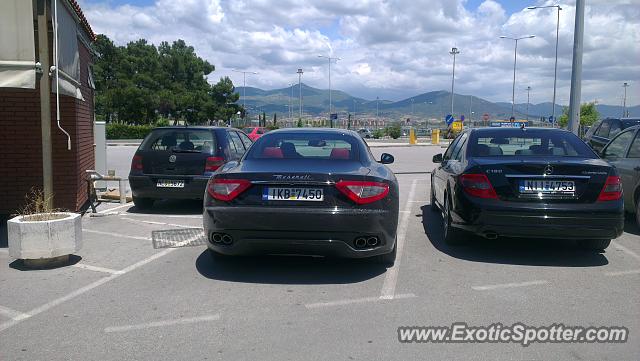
(394,48)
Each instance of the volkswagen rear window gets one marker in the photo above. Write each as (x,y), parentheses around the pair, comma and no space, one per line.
(180,140)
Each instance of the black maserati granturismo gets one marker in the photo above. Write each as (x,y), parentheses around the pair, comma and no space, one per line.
(304,191)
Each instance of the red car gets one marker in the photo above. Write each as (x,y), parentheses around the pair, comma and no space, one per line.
(255,133)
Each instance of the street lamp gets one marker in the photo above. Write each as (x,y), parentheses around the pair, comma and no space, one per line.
(300,72)
(555,69)
(290,98)
(515,52)
(454,51)
(624,101)
(528,90)
(244,85)
(330,58)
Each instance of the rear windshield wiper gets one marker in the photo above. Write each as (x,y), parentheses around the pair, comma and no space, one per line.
(178,150)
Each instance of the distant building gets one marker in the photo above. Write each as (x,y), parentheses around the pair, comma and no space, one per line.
(21,83)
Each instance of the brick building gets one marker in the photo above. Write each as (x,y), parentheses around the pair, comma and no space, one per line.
(21,133)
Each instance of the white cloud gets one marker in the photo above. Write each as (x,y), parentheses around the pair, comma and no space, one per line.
(394,48)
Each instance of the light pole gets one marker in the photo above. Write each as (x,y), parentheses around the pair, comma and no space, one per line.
(515,52)
(377,108)
(528,90)
(244,87)
(470,112)
(300,72)
(411,108)
(354,110)
(555,69)
(576,69)
(290,97)
(624,100)
(330,58)
(454,51)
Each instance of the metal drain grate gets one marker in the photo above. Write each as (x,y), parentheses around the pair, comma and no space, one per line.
(174,238)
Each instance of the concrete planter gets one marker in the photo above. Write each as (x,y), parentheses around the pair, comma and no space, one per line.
(44,243)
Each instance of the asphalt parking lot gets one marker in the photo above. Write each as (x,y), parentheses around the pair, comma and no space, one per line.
(122,299)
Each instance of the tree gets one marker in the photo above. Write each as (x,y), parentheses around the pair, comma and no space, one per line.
(140,82)
(275,119)
(588,115)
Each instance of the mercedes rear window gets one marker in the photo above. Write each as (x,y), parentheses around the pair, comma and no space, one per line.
(305,146)
(528,142)
(180,140)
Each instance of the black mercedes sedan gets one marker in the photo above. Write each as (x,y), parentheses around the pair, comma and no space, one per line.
(528,182)
(304,191)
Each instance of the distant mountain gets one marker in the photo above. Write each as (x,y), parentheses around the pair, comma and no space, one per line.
(435,104)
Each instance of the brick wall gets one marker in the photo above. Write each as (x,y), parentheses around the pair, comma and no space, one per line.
(21,144)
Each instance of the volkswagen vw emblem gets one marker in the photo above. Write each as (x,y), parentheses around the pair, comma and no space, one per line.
(548,170)
(172,158)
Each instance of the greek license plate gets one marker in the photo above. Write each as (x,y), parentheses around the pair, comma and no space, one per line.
(168,183)
(547,186)
(292,194)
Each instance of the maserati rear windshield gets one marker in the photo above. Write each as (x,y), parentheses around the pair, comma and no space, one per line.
(527,142)
(305,146)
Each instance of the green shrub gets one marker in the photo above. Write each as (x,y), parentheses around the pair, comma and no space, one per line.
(394,131)
(378,133)
(125,131)
(162,122)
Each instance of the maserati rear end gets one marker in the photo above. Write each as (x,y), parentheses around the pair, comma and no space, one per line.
(301,191)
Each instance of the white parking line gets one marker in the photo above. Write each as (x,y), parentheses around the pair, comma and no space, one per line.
(391,277)
(626,250)
(86,288)
(115,234)
(356,300)
(114,208)
(180,321)
(13,314)
(158,223)
(509,285)
(96,268)
(161,215)
(623,273)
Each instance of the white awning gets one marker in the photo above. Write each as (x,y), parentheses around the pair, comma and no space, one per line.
(68,58)
(17,48)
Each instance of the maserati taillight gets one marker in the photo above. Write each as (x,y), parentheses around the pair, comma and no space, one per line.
(363,192)
(227,189)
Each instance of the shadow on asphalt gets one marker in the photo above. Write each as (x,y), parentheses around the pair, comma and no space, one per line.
(4,238)
(517,251)
(287,269)
(19,264)
(171,206)
(630,225)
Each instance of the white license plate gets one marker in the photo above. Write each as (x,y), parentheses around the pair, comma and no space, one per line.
(547,186)
(292,194)
(168,183)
